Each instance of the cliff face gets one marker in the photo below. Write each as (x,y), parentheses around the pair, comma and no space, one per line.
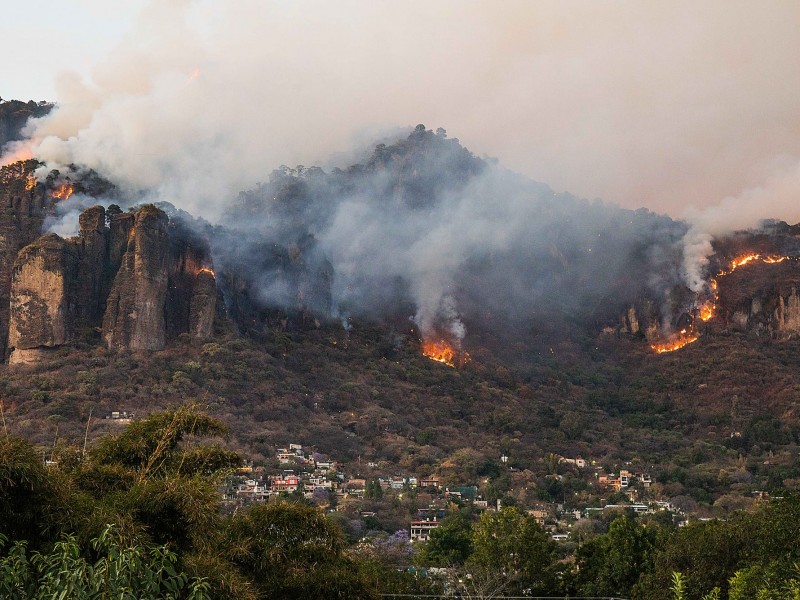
(41,311)
(762,298)
(126,274)
(134,317)
(23,207)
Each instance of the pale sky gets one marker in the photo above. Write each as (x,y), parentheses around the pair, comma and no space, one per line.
(666,105)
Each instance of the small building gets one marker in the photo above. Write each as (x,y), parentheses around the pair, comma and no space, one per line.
(421,530)
(432,482)
(287,483)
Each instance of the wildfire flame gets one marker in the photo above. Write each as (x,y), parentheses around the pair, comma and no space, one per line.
(706,311)
(207,270)
(63,192)
(30,183)
(684,338)
(444,353)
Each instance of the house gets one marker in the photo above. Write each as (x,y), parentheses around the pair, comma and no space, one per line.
(287,483)
(432,513)
(252,490)
(539,515)
(356,486)
(421,530)
(432,481)
(320,483)
(578,462)
(610,481)
(624,478)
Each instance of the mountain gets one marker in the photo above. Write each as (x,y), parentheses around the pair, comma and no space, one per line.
(304,314)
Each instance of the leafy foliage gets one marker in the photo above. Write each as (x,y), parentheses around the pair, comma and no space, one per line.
(120,572)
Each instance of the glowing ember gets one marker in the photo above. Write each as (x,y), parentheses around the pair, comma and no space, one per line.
(677,342)
(63,192)
(706,311)
(207,270)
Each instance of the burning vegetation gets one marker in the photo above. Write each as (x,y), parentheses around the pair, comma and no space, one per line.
(63,191)
(708,309)
(444,353)
(677,342)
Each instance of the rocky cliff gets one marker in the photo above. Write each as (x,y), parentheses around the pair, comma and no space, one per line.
(134,316)
(23,206)
(136,277)
(41,309)
(762,298)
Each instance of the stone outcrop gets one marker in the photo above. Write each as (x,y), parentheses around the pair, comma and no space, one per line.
(762,299)
(203,305)
(642,318)
(135,277)
(787,314)
(41,311)
(134,316)
(22,211)
(91,286)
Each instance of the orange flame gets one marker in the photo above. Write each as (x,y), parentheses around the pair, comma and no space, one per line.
(739,262)
(676,342)
(444,353)
(30,183)
(707,311)
(439,351)
(64,191)
(207,270)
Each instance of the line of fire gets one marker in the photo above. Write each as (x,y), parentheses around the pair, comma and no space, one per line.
(707,309)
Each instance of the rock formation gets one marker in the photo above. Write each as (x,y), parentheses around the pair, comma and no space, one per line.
(41,313)
(134,316)
(136,277)
(203,305)
(23,206)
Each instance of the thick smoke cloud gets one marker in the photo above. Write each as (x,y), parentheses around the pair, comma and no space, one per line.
(425,227)
(661,105)
(667,106)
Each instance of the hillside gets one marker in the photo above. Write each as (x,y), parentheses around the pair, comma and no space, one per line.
(305,315)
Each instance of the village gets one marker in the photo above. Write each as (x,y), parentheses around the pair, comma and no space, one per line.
(418,504)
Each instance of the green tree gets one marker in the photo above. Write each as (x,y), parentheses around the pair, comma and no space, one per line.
(514,546)
(290,550)
(120,572)
(450,543)
(610,564)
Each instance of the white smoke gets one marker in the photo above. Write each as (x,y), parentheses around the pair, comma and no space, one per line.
(602,99)
(777,198)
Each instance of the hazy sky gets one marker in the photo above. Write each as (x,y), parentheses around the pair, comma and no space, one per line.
(666,105)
